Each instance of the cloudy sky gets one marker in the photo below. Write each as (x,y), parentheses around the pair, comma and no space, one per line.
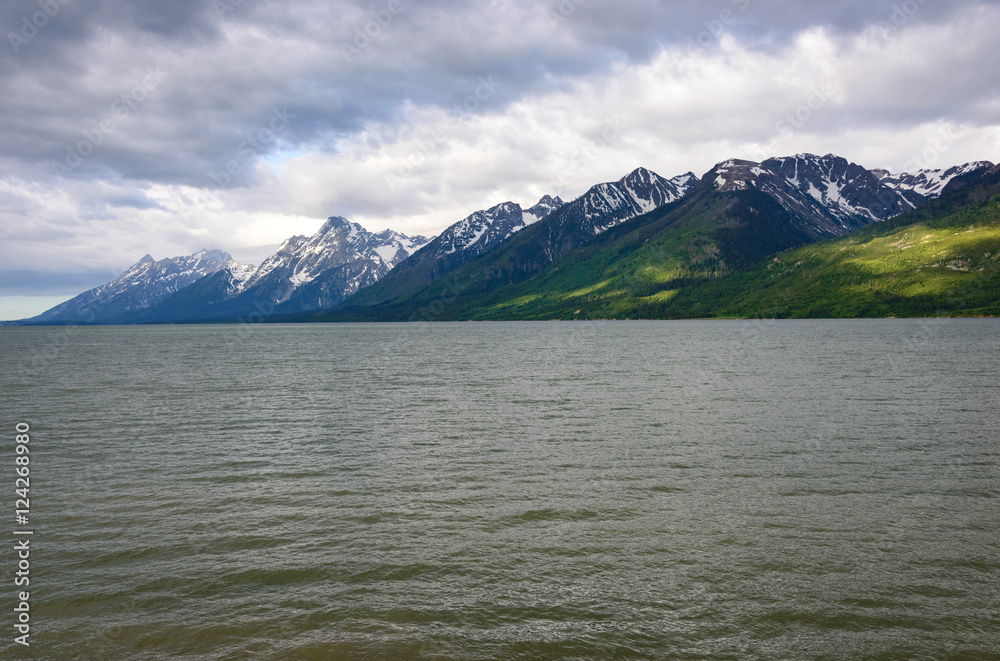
(142,126)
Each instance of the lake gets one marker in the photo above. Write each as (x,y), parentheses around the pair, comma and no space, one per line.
(577,490)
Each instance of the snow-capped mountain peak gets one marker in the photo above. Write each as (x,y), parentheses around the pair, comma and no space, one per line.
(645,187)
(239,274)
(464,241)
(389,247)
(640,191)
(141,285)
(836,195)
(929,183)
(481,230)
(543,208)
(338,244)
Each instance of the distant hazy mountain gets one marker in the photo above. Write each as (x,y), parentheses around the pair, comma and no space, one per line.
(306,273)
(141,286)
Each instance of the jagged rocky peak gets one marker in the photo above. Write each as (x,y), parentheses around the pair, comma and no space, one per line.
(833,176)
(203,260)
(640,177)
(543,208)
(549,202)
(388,246)
(640,191)
(292,243)
(339,258)
(797,171)
(646,188)
(830,179)
(833,193)
(333,222)
(340,224)
(644,179)
(685,181)
(213,255)
(646,185)
(481,230)
(733,174)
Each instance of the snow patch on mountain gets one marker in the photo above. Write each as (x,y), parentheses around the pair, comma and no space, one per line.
(929,183)
(239,274)
(360,257)
(543,208)
(481,231)
(836,195)
(641,191)
(140,286)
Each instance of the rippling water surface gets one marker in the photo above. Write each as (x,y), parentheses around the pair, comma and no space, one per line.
(619,490)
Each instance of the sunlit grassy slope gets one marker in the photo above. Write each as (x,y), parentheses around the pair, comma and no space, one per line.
(945,267)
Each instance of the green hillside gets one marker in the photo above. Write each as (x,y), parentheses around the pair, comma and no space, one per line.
(941,266)
(648,260)
(948,266)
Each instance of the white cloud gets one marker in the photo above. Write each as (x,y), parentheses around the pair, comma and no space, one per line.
(430,168)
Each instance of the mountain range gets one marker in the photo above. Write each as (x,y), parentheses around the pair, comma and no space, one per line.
(306,273)
(736,216)
(641,239)
(564,228)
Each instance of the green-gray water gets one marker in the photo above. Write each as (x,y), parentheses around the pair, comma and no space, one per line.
(646,490)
